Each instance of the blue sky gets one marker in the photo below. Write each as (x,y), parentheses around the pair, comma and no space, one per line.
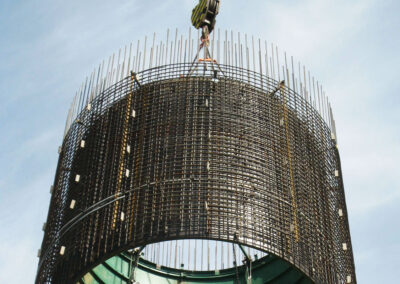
(48,47)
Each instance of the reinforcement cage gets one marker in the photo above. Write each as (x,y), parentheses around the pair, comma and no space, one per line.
(198,152)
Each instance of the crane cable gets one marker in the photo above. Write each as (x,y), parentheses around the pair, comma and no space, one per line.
(236,267)
(204,18)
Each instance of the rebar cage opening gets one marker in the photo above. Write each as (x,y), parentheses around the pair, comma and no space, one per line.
(194,261)
(198,255)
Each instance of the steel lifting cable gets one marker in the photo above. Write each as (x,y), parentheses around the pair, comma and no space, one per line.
(123,148)
(236,267)
(207,57)
(130,268)
(292,188)
(135,256)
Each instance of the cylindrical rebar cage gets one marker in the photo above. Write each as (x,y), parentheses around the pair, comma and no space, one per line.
(221,153)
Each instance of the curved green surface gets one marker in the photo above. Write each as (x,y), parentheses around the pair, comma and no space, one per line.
(269,269)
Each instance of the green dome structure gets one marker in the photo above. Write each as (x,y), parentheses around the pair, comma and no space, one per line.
(117,269)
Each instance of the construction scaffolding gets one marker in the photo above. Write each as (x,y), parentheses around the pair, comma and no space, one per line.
(198,151)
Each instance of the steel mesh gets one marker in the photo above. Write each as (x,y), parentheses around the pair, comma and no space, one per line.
(224,155)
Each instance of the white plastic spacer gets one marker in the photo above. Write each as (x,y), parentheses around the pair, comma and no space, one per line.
(122,216)
(127,173)
(128,148)
(206,102)
(62,250)
(348,279)
(77,178)
(336,173)
(208,166)
(89,107)
(83,144)
(340,212)
(133,113)
(72,204)
(344,245)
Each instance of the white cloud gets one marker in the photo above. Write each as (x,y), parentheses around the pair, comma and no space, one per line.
(17,261)
(22,213)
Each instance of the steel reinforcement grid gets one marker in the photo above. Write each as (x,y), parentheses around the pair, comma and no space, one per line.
(198,152)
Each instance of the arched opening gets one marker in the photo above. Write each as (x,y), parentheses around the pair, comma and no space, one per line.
(194,261)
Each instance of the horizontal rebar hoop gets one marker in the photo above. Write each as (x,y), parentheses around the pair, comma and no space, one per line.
(226,156)
(227,47)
